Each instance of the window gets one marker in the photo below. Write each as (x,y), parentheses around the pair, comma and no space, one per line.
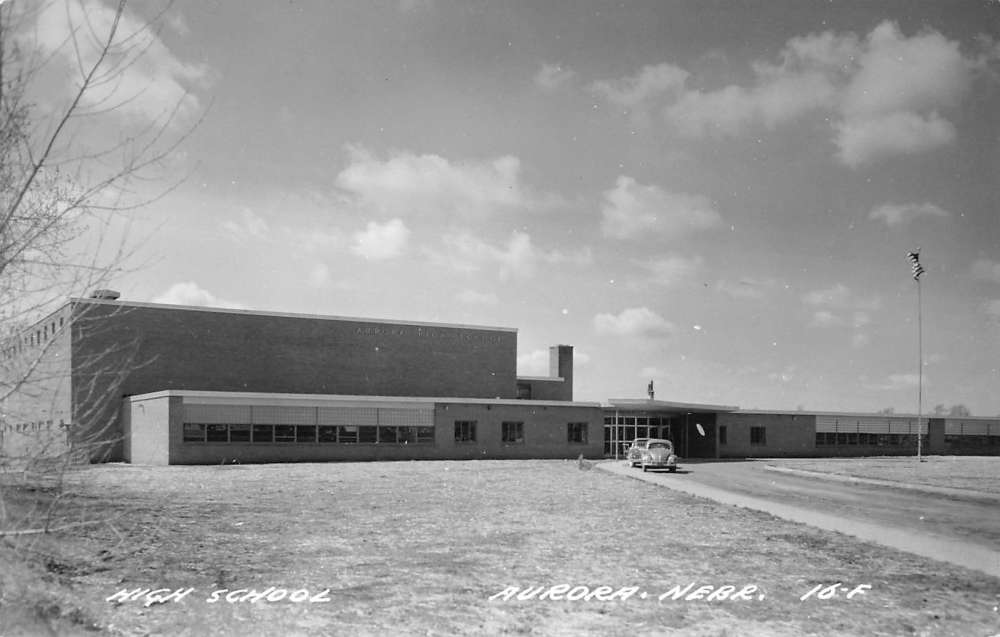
(723,433)
(576,432)
(263,433)
(425,434)
(387,434)
(218,433)
(194,432)
(305,433)
(465,431)
(284,433)
(347,434)
(512,432)
(524,391)
(367,434)
(239,433)
(758,435)
(327,433)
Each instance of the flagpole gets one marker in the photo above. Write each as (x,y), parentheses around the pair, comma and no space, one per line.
(918,269)
(920,369)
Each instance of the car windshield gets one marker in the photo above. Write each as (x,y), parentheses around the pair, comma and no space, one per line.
(659,445)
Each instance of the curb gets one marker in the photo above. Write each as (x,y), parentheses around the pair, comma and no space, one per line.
(965,494)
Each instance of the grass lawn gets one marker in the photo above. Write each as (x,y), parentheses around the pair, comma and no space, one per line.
(979,473)
(421,547)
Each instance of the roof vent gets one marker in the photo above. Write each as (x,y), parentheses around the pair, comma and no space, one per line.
(109,295)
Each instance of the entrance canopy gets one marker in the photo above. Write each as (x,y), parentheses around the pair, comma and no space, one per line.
(666,408)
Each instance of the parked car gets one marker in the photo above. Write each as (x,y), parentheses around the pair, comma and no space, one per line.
(658,454)
(634,454)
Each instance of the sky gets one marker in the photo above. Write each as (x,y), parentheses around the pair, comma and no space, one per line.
(716,196)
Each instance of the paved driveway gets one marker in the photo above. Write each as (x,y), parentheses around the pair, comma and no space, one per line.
(963,531)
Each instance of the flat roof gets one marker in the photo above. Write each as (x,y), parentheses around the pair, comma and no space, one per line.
(326,317)
(316,400)
(665,405)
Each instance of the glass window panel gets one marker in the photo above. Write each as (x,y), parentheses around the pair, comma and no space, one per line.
(239,433)
(263,433)
(328,433)
(284,433)
(367,434)
(218,433)
(305,433)
(194,432)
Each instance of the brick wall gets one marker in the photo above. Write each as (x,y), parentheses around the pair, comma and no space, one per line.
(785,435)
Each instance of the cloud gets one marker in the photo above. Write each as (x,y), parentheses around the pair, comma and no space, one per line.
(631,210)
(319,276)
(885,95)
(466,252)
(993,309)
(636,321)
(381,241)
(668,271)
(892,104)
(149,81)
(652,81)
(895,214)
(250,225)
(895,382)
(553,76)
(189,293)
(517,258)
(472,297)
(730,110)
(407,184)
(862,140)
(839,297)
(534,363)
(747,287)
(986,270)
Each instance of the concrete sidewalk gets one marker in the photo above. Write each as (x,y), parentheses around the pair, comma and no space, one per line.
(945,549)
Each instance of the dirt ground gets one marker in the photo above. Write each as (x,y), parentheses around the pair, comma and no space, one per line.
(444,548)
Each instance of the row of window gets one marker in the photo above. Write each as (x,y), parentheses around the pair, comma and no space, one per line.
(42,333)
(344,434)
(976,441)
(465,432)
(879,440)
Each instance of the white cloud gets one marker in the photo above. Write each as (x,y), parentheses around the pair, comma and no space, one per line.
(407,184)
(632,210)
(151,80)
(865,139)
(517,258)
(888,94)
(534,363)
(537,362)
(319,276)
(652,81)
(472,297)
(892,104)
(839,297)
(668,271)
(728,111)
(250,225)
(894,382)
(993,309)
(986,270)
(189,293)
(381,241)
(635,321)
(896,214)
(552,76)
(747,287)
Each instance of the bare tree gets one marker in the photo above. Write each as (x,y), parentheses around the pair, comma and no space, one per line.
(87,135)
